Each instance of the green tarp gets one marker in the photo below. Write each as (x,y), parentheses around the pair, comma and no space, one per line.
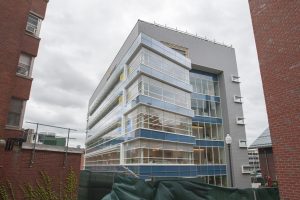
(125,188)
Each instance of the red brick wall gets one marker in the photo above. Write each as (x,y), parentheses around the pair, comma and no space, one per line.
(30,44)
(22,88)
(266,162)
(276,27)
(14,166)
(13,18)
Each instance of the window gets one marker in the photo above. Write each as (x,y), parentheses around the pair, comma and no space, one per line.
(15,112)
(24,65)
(159,63)
(145,117)
(33,24)
(158,90)
(206,84)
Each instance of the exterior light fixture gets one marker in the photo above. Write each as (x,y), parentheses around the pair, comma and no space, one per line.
(228,141)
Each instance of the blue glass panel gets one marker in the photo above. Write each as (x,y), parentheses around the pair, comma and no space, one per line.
(204,119)
(164,105)
(184,173)
(171,137)
(156,169)
(216,99)
(166,136)
(210,143)
(173,168)
(204,75)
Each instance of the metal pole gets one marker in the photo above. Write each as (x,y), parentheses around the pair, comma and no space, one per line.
(34,145)
(67,148)
(230,166)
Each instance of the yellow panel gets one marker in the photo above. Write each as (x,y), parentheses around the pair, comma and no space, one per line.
(122,77)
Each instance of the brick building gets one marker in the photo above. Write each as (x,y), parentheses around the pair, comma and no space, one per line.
(20,23)
(20,26)
(263,144)
(277,36)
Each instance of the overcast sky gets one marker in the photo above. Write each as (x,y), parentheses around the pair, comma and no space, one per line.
(81,38)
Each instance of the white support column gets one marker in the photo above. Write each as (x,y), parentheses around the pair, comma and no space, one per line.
(121,154)
(125,71)
(142,155)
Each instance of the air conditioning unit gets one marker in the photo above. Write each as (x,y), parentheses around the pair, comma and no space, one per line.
(22,70)
(30,135)
(247,169)
(31,28)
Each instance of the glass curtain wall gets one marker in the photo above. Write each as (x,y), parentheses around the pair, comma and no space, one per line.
(157,152)
(107,158)
(158,90)
(206,108)
(155,119)
(112,133)
(207,131)
(208,155)
(159,63)
(216,180)
(205,84)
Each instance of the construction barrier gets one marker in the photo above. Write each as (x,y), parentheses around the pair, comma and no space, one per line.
(117,186)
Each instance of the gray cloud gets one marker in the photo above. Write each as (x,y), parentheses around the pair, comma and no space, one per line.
(81,38)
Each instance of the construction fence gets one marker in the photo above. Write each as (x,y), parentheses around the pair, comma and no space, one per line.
(119,186)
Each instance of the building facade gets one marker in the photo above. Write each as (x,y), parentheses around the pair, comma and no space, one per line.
(263,145)
(253,160)
(20,26)
(276,31)
(163,106)
(21,163)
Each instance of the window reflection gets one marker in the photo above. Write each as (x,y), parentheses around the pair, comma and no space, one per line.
(205,84)
(157,152)
(207,131)
(158,90)
(206,108)
(208,155)
(159,63)
(152,118)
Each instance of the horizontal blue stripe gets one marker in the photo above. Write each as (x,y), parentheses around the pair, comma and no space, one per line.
(151,134)
(205,97)
(147,171)
(164,136)
(179,171)
(204,119)
(209,143)
(196,73)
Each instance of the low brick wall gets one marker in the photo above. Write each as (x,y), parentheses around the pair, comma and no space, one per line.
(15,166)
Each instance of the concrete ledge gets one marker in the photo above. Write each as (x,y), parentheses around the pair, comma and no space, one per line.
(42,147)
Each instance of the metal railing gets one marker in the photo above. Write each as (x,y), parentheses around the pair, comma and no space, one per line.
(37,134)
